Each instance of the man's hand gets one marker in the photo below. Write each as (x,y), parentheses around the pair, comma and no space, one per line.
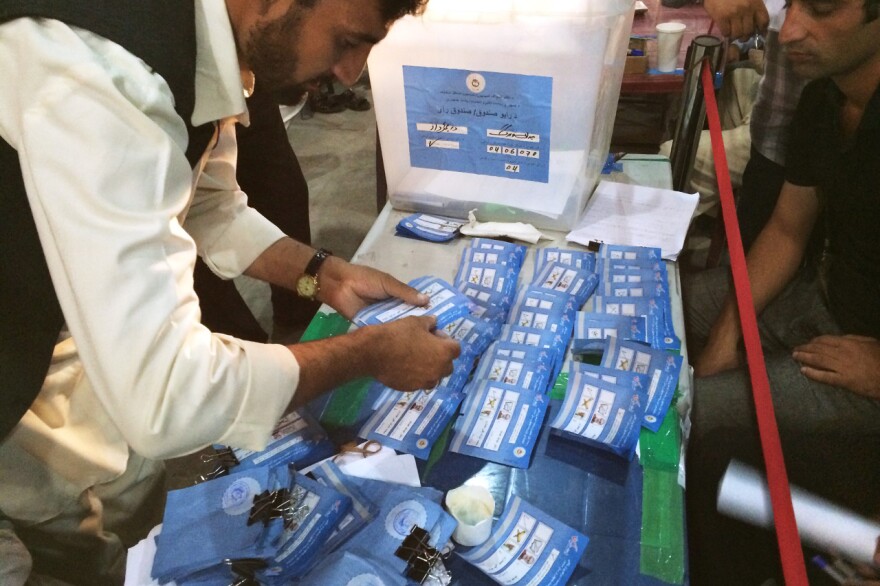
(851,362)
(738,19)
(410,355)
(348,288)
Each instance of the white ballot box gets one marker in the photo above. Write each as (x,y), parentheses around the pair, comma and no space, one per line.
(504,106)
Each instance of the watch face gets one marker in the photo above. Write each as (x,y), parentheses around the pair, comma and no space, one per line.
(307,286)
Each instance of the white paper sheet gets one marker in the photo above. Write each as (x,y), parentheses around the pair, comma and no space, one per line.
(744,495)
(619,213)
(140,561)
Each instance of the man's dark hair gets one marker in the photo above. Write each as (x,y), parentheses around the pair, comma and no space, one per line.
(391,10)
(394,9)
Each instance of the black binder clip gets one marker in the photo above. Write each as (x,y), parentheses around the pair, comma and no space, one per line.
(244,571)
(270,505)
(225,459)
(419,556)
(298,509)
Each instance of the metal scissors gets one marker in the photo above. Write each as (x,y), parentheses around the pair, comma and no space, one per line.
(368,449)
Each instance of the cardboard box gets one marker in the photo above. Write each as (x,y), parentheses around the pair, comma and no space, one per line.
(636,63)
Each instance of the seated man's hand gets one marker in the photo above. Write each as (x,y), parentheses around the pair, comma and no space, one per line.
(851,362)
(738,18)
(348,288)
(411,355)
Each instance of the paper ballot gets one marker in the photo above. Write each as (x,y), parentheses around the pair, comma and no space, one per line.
(744,495)
(640,216)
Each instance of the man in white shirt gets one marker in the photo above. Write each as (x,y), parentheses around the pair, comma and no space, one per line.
(121,214)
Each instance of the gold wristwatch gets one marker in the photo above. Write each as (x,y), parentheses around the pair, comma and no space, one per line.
(307,284)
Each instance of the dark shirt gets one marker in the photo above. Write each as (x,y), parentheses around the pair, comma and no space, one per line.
(847,174)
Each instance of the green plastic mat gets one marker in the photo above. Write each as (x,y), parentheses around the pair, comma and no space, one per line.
(325,325)
(559,387)
(662,554)
(344,405)
(661,450)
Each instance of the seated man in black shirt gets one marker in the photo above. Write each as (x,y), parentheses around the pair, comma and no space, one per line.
(819,325)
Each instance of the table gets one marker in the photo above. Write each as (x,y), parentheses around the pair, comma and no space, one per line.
(592,491)
(698,23)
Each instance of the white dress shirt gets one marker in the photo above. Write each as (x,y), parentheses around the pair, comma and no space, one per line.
(121,216)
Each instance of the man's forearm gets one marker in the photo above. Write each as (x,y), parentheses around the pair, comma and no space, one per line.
(772,262)
(282,263)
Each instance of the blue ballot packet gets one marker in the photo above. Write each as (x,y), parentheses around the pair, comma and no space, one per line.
(209,522)
(362,512)
(446,303)
(528,546)
(353,567)
(579,259)
(298,440)
(315,512)
(591,329)
(601,413)
(500,423)
(429,227)
(472,333)
(555,342)
(662,369)
(579,283)
(400,508)
(632,380)
(630,254)
(655,311)
(411,422)
(492,251)
(517,365)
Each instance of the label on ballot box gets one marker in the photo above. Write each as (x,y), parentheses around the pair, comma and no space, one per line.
(479,122)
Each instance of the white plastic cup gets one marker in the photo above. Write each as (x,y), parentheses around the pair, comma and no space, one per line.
(669,36)
(472,507)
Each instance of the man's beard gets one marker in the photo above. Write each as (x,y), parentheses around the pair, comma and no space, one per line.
(273,60)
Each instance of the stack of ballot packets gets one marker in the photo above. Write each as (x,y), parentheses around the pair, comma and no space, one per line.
(446,304)
(506,401)
(488,273)
(661,368)
(634,282)
(264,522)
(602,410)
(527,546)
(429,227)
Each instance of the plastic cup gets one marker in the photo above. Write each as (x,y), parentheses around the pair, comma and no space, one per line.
(472,507)
(669,36)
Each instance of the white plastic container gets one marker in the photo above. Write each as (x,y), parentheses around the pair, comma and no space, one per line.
(565,59)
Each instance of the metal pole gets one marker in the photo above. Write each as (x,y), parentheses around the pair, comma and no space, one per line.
(693,109)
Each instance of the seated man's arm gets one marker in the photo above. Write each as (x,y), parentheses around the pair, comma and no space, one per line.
(738,18)
(773,260)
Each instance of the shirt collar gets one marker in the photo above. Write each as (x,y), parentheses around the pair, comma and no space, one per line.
(219,92)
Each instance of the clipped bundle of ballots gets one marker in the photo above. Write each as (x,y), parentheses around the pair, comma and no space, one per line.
(630,330)
(506,400)
(264,523)
(368,541)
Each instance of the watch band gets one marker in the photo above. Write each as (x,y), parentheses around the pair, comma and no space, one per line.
(315,264)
